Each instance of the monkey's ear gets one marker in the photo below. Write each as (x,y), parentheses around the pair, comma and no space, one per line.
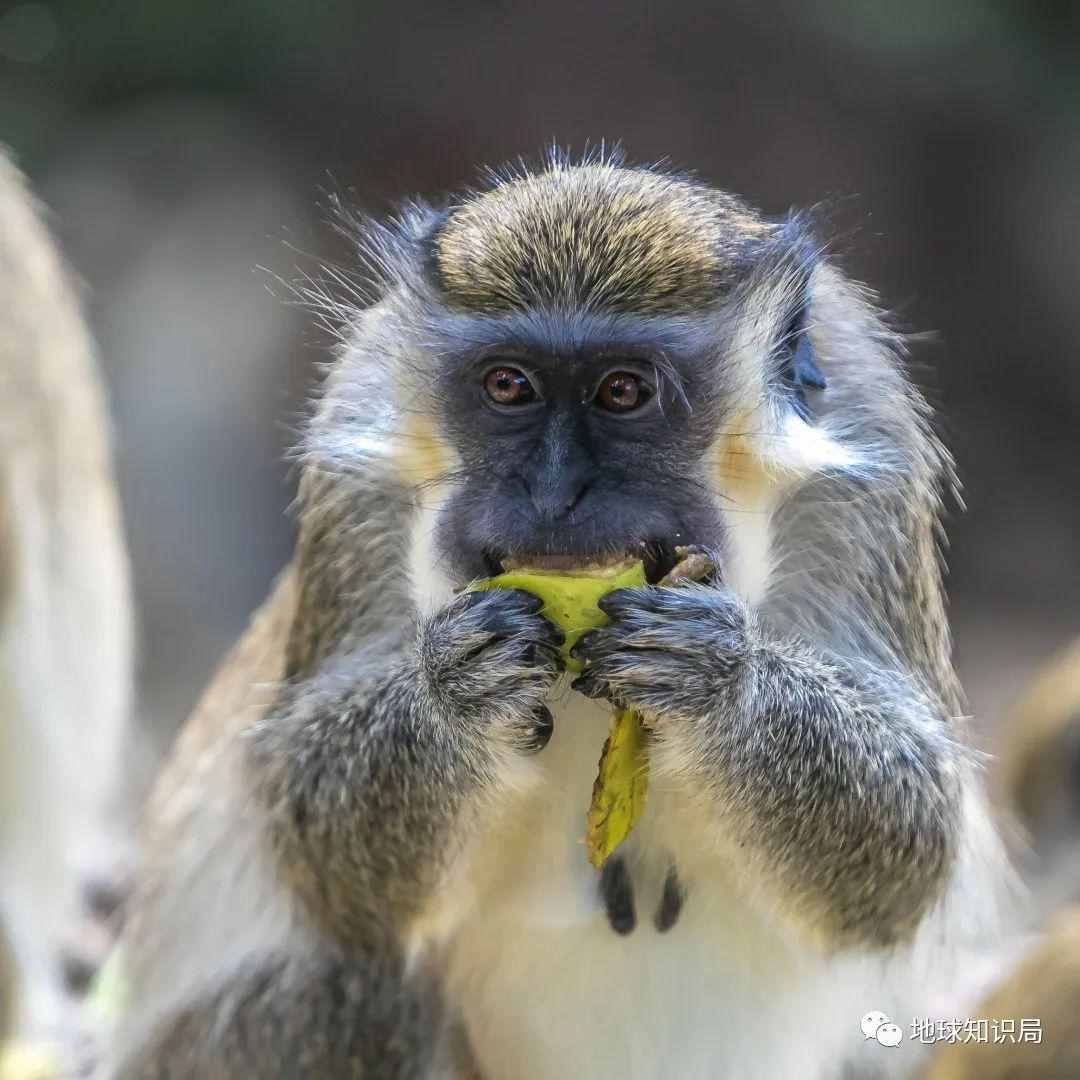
(801,447)
(799,371)
(804,369)
(789,259)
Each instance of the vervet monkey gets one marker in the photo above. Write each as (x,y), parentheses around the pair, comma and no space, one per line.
(365,857)
(1040,759)
(1038,775)
(1042,995)
(65,618)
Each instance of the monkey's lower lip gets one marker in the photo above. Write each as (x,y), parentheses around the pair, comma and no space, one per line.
(658,556)
(556,563)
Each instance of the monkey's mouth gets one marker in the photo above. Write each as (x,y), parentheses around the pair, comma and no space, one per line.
(658,556)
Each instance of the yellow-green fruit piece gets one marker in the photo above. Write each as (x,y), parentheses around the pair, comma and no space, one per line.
(620,788)
(570,596)
(622,780)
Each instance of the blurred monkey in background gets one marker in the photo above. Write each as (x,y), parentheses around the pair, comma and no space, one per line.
(1038,780)
(1039,775)
(65,632)
(1044,987)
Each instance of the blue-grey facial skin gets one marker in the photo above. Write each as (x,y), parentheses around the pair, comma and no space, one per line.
(561,475)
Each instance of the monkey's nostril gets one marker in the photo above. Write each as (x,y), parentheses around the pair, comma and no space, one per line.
(554,501)
(574,500)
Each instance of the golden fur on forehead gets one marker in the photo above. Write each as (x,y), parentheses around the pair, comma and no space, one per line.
(597,235)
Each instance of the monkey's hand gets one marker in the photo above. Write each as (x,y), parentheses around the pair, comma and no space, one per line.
(490,657)
(666,650)
(373,781)
(839,777)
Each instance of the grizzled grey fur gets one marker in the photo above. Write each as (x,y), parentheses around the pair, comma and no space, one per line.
(366,874)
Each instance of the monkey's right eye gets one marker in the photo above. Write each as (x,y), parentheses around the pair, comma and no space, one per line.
(509,386)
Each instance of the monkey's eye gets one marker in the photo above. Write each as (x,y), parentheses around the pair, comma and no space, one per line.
(508,386)
(622,392)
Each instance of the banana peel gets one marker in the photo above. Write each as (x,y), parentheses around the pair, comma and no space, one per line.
(570,602)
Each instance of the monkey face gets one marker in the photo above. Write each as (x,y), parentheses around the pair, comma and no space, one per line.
(578,439)
(586,362)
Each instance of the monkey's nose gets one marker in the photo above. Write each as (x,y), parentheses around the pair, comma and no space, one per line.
(554,500)
(554,503)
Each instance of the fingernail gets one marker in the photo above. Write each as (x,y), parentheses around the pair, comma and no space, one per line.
(581,646)
(587,685)
(534,601)
(604,601)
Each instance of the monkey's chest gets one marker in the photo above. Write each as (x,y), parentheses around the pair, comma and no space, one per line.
(561,972)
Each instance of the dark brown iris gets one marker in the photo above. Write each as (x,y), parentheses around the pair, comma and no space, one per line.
(508,386)
(622,391)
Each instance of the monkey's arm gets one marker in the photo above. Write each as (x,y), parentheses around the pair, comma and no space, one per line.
(375,771)
(318,1015)
(838,780)
(358,774)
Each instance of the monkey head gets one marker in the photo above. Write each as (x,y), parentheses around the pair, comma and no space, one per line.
(586,361)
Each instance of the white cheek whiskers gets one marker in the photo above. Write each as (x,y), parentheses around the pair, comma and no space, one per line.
(756,466)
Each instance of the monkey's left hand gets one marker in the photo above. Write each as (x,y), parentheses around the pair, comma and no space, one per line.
(825,769)
(666,650)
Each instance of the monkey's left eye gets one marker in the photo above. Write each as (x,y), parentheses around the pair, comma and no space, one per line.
(622,392)
(509,386)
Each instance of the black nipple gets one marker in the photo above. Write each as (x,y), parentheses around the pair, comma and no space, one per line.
(671,902)
(617,892)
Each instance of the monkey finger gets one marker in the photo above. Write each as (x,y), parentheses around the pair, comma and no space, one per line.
(586,645)
(699,563)
(511,603)
(529,603)
(591,686)
(483,622)
(634,635)
(622,601)
(540,728)
(647,677)
(543,653)
(506,599)
(687,599)
(547,633)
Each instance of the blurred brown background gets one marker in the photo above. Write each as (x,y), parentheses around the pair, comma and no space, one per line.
(184,149)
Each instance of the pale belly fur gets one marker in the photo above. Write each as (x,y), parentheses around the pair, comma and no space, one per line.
(548,990)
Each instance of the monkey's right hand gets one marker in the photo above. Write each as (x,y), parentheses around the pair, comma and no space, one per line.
(491,657)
